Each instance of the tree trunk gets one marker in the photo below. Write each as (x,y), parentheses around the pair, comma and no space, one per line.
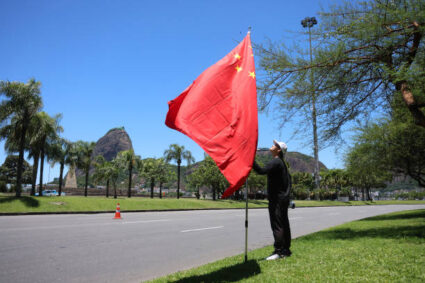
(178,178)
(213,190)
(61,177)
(21,157)
(34,173)
(368,194)
(160,189)
(152,185)
(40,189)
(363,197)
(130,170)
(107,188)
(413,106)
(87,181)
(115,189)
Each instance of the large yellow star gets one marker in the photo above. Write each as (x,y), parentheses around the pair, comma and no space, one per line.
(252,74)
(237,56)
(238,68)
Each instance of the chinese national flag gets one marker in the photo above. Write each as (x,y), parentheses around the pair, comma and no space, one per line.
(219,112)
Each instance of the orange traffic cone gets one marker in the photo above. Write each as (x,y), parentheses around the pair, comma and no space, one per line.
(117,212)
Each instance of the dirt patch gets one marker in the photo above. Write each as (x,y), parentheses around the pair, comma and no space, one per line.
(57,203)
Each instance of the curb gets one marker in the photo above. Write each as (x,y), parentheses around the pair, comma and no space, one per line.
(113,211)
(162,210)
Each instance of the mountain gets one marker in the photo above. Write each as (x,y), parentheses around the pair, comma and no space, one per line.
(298,162)
(114,141)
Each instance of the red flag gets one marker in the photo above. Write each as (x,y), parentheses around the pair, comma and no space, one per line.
(219,112)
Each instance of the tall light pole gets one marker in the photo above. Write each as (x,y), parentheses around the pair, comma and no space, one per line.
(309,23)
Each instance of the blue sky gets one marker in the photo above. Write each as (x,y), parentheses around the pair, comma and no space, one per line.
(106,64)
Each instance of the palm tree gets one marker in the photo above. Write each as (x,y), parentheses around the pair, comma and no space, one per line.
(102,171)
(22,101)
(85,151)
(162,174)
(113,172)
(12,134)
(62,152)
(151,171)
(45,134)
(177,152)
(130,160)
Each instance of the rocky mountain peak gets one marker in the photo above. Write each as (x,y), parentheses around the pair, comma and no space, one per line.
(114,141)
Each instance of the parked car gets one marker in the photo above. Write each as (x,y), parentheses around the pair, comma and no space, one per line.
(50,193)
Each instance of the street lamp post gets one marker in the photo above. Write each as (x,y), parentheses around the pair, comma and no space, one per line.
(309,23)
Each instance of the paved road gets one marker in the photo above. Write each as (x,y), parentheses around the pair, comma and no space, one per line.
(141,246)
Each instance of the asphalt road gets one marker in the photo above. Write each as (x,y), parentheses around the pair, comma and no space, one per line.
(142,246)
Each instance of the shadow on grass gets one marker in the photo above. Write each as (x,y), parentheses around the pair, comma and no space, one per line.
(387,233)
(227,274)
(27,201)
(410,215)
(411,230)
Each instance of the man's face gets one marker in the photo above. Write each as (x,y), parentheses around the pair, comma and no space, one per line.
(274,150)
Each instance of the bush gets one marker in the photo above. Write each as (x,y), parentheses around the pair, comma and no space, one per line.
(300,193)
(345,192)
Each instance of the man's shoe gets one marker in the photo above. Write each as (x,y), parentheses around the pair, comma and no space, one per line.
(273,257)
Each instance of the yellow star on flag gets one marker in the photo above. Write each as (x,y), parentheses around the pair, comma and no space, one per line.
(237,56)
(252,74)
(238,68)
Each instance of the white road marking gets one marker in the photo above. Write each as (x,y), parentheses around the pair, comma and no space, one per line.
(201,229)
(80,225)
(145,221)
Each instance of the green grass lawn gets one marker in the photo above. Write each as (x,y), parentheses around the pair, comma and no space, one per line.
(27,204)
(388,248)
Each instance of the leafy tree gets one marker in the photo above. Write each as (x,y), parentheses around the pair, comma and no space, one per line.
(21,102)
(196,180)
(9,173)
(131,161)
(256,181)
(163,174)
(177,153)
(369,51)
(396,147)
(212,177)
(84,160)
(364,168)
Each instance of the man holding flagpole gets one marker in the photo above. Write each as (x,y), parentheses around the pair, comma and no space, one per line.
(278,192)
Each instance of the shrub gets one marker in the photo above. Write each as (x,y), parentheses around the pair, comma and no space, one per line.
(300,193)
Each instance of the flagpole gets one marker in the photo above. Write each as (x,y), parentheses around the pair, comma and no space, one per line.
(246,205)
(246,220)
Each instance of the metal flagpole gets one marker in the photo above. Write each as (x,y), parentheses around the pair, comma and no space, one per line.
(246,220)
(246,205)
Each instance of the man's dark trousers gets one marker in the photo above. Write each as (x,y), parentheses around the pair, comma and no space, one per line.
(278,211)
